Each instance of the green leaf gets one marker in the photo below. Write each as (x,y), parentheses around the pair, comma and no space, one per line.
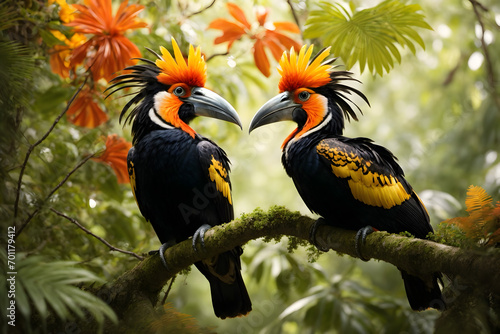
(49,286)
(52,100)
(49,38)
(299,304)
(8,16)
(370,36)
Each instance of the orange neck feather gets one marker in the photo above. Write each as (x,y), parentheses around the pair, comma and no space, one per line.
(316,108)
(168,108)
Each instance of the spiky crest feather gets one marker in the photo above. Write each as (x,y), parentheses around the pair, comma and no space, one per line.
(173,71)
(154,76)
(317,74)
(298,71)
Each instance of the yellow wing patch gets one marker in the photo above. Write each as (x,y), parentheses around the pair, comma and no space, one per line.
(218,174)
(367,186)
(131,176)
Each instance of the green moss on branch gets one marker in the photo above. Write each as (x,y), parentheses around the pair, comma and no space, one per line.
(143,283)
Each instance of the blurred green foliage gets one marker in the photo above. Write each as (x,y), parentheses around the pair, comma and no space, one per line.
(43,286)
(437,110)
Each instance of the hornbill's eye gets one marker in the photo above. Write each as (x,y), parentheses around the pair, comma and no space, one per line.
(304,95)
(179,91)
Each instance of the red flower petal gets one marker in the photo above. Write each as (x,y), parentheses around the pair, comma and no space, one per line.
(115,155)
(225,25)
(109,55)
(96,17)
(108,51)
(231,31)
(238,14)
(286,41)
(271,38)
(60,54)
(261,14)
(58,60)
(79,53)
(84,111)
(227,37)
(276,49)
(287,26)
(260,58)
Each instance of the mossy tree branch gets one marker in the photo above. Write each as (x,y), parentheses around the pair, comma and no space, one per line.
(141,285)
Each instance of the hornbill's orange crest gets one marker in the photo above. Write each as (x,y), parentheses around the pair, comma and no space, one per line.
(299,73)
(174,71)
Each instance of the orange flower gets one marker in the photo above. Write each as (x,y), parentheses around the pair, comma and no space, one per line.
(115,155)
(60,54)
(84,111)
(267,35)
(66,12)
(108,50)
(483,223)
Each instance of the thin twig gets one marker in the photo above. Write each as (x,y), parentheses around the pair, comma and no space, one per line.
(30,216)
(34,213)
(63,181)
(111,247)
(179,5)
(212,56)
(201,10)
(480,5)
(32,147)
(294,13)
(451,75)
(489,64)
(168,290)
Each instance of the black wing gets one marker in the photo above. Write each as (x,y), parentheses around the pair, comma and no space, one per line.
(131,173)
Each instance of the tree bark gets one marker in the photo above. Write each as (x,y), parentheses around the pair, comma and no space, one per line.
(137,290)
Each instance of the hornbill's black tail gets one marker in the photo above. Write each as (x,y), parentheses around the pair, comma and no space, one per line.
(423,294)
(229,295)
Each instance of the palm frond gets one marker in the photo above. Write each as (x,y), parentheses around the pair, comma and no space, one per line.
(482,225)
(8,16)
(477,199)
(370,36)
(47,287)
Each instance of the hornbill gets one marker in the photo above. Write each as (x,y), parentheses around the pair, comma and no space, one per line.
(179,178)
(351,183)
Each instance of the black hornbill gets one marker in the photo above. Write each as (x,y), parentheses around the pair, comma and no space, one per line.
(179,178)
(350,182)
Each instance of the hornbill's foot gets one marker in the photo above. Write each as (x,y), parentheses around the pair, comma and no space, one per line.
(314,230)
(162,250)
(360,240)
(200,234)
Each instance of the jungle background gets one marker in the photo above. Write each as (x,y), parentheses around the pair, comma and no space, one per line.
(434,102)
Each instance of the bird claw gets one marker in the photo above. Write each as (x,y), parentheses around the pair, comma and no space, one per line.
(360,240)
(314,230)
(162,250)
(200,234)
